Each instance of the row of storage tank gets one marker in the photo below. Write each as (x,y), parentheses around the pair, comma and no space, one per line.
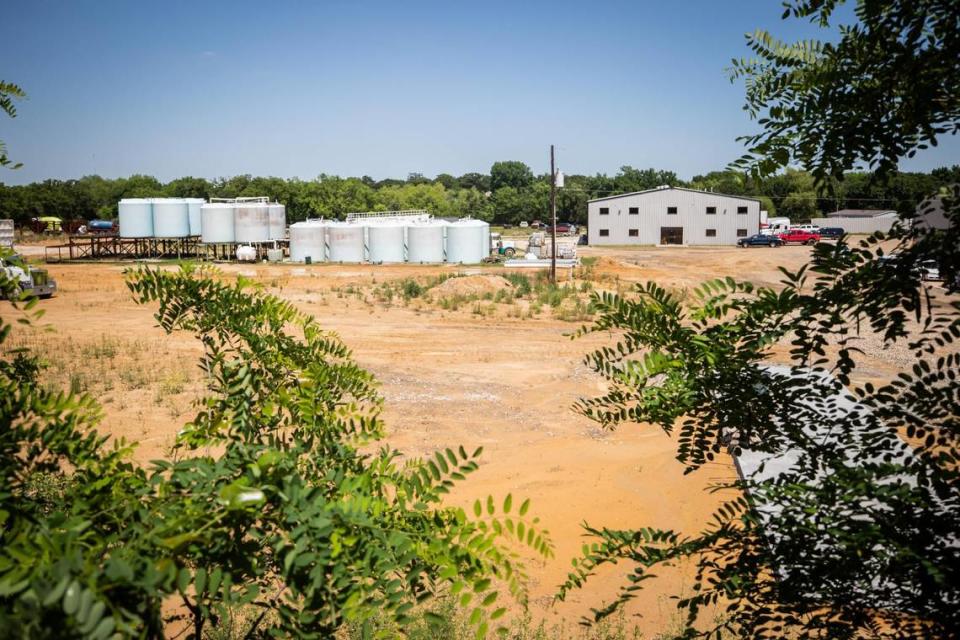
(420,241)
(214,222)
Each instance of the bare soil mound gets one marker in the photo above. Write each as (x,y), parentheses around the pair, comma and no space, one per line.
(470,286)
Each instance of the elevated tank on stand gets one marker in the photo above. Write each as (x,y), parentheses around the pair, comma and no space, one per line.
(171,218)
(193,205)
(252,222)
(308,240)
(278,221)
(136,218)
(216,223)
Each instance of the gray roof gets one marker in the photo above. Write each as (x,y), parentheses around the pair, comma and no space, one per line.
(636,193)
(861,213)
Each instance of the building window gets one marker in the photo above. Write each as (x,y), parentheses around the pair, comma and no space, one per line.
(634,233)
(604,233)
(671,211)
(711,211)
(742,210)
(711,233)
(634,211)
(741,233)
(604,211)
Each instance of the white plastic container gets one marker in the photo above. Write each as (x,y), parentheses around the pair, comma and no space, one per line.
(278,221)
(425,242)
(171,218)
(136,218)
(345,242)
(216,223)
(385,242)
(193,206)
(251,222)
(468,241)
(308,240)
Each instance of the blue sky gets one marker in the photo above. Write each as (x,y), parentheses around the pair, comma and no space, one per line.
(378,88)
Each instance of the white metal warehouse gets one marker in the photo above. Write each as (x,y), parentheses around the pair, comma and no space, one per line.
(672,215)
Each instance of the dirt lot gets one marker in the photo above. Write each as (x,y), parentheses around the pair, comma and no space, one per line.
(479,373)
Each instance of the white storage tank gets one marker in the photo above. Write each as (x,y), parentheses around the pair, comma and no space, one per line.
(278,221)
(308,240)
(136,218)
(468,241)
(171,218)
(385,242)
(425,241)
(193,205)
(251,222)
(345,242)
(216,223)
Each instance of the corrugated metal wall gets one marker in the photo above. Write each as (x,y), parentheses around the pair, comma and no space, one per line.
(858,225)
(691,215)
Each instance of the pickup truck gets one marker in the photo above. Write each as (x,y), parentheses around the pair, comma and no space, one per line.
(28,279)
(799,236)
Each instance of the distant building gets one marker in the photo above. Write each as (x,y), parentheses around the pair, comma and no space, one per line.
(859,220)
(672,215)
(931,214)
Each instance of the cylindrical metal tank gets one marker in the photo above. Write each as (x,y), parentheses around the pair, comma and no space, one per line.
(193,205)
(468,241)
(278,221)
(171,218)
(252,222)
(216,223)
(385,242)
(345,242)
(425,241)
(308,240)
(136,218)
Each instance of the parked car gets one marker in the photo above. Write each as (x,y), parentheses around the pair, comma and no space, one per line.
(811,228)
(760,240)
(563,228)
(799,236)
(524,224)
(930,270)
(831,233)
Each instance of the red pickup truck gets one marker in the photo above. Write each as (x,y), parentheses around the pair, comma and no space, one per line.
(799,236)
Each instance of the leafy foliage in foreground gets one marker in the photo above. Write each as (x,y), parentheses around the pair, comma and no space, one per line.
(268,501)
(888,86)
(852,530)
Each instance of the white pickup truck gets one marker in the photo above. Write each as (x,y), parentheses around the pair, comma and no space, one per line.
(29,279)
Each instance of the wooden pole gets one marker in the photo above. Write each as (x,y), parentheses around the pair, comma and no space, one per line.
(553,216)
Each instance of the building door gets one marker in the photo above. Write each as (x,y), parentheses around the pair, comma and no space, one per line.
(671,235)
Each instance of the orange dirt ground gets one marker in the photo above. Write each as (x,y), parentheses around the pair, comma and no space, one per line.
(448,378)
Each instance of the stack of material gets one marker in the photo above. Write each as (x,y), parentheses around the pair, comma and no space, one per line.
(6,234)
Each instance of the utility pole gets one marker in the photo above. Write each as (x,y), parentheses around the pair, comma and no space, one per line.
(553,216)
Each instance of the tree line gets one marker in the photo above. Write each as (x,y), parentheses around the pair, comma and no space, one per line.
(508,194)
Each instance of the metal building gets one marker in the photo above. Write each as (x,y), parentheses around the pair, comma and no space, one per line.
(859,220)
(672,215)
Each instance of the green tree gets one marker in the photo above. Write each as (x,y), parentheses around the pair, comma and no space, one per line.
(477,181)
(8,93)
(510,173)
(900,58)
(849,527)
(630,179)
(279,498)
